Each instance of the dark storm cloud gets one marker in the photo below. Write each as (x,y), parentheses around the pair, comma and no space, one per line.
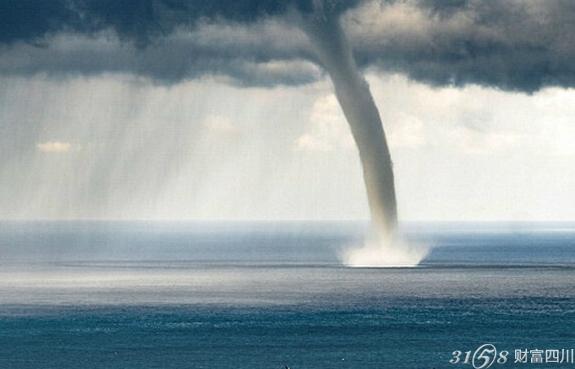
(514,45)
(30,20)
(166,40)
(138,20)
(175,58)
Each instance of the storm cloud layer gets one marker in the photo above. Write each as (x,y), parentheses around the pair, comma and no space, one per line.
(512,45)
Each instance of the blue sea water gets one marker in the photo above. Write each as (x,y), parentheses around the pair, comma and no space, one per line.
(123,295)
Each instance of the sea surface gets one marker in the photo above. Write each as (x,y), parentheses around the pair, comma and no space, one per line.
(141,295)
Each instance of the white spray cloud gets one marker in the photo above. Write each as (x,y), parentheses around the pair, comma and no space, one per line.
(398,253)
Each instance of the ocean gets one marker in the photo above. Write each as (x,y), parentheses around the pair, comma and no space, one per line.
(140,295)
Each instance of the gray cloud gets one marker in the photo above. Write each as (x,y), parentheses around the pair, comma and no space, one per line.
(512,45)
(238,54)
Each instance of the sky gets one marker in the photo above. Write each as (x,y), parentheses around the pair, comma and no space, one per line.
(172,110)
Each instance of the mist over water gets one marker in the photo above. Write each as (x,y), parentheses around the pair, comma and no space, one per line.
(277,243)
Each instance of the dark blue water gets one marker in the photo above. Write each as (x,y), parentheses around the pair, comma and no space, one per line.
(177,295)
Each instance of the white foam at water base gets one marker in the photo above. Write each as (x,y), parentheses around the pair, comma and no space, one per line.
(398,253)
